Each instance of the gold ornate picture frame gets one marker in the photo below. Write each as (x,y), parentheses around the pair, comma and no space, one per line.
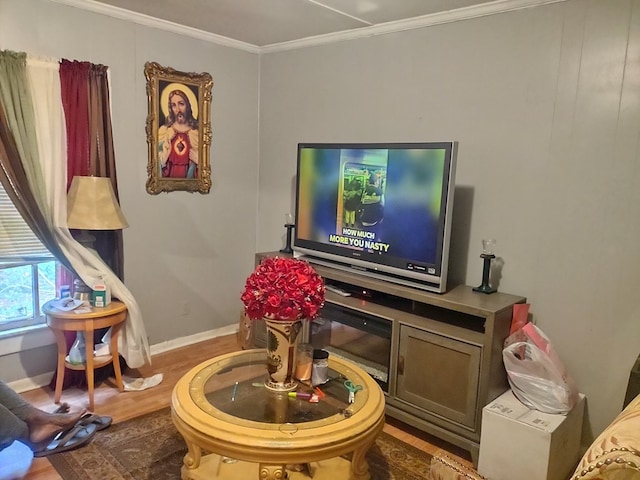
(178,130)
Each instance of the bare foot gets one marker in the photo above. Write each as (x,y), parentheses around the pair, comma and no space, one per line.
(43,426)
(64,407)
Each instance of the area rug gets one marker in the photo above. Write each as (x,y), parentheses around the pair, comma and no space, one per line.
(150,448)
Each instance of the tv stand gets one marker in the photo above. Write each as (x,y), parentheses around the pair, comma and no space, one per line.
(446,350)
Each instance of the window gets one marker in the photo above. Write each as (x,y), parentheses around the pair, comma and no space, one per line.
(27,271)
(24,288)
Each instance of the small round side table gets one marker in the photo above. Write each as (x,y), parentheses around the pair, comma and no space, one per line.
(113,315)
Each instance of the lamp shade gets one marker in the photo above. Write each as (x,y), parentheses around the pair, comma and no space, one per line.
(92,205)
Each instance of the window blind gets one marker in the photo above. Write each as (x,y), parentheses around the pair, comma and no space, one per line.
(17,241)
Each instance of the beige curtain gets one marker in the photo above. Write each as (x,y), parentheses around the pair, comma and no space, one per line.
(19,152)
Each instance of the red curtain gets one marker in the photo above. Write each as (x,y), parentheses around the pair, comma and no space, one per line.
(74,79)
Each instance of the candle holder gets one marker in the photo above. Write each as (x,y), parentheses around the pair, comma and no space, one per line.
(487,255)
(288,224)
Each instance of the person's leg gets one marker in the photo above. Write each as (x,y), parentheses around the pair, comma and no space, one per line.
(11,428)
(11,400)
(351,218)
(41,426)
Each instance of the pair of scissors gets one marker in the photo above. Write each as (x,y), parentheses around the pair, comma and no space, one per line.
(353,388)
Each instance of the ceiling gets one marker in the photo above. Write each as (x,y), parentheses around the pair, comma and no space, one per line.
(261,23)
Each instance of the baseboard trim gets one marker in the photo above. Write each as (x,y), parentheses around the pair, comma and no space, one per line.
(31,383)
(38,381)
(191,339)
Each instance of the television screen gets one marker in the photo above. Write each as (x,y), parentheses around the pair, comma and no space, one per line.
(381,209)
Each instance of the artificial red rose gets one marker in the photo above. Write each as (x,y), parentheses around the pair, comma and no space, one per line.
(273,300)
(302,278)
(288,312)
(284,288)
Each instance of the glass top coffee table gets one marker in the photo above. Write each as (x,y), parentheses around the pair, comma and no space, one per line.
(235,428)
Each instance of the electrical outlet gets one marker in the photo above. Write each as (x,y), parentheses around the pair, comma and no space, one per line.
(186,309)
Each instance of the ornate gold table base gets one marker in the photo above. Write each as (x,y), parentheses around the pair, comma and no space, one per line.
(324,463)
(213,468)
(263,450)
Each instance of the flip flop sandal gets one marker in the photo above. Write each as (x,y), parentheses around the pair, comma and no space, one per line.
(75,437)
(101,422)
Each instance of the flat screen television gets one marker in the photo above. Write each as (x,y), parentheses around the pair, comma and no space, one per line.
(381,209)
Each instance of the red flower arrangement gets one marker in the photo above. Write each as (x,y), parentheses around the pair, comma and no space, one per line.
(283,288)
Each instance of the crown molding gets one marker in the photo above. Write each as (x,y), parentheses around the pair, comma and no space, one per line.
(466,13)
(148,21)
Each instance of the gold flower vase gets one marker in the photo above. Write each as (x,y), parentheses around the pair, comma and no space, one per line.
(282,340)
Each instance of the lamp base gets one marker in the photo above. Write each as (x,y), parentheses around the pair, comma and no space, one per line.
(81,291)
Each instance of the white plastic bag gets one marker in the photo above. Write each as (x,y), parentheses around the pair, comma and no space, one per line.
(77,353)
(536,374)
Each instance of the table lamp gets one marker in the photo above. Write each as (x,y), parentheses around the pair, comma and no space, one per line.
(92,205)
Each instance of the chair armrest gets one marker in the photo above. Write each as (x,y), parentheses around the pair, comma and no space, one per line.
(615,454)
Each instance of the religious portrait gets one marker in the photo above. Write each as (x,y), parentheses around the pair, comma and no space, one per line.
(178,130)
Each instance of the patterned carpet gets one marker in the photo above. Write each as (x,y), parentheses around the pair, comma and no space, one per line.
(149,447)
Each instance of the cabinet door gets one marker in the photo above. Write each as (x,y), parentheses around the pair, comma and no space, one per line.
(439,374)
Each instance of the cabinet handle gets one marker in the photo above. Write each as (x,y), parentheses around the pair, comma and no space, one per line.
(401,365)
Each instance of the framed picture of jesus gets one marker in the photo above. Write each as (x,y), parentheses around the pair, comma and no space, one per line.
(178,130)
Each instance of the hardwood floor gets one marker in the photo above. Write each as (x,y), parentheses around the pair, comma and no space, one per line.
(173,365)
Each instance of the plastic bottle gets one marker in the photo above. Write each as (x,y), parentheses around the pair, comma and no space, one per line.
(65,291)
(320,371)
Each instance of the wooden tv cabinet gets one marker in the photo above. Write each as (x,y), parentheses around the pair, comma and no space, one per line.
(446,350)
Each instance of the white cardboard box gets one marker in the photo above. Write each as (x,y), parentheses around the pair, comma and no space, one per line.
(516,442)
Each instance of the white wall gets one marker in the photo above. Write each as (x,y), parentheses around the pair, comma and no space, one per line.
(186,254)
(544,104)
